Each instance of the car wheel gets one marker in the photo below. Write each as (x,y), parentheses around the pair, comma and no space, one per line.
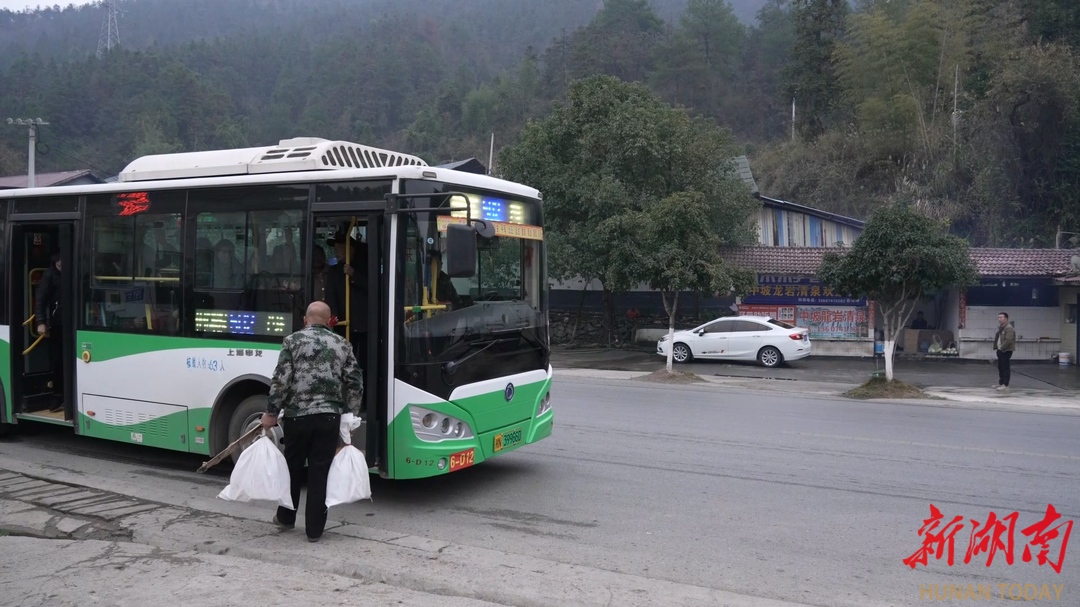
(682,353)
(770,357)
(248,414)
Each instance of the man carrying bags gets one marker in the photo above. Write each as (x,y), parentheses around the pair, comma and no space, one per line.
(316,380)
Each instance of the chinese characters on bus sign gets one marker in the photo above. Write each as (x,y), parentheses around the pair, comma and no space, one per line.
(132,203)
(502,228)
(1048,539)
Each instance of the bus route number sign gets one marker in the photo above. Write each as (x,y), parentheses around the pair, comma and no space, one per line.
(462,459)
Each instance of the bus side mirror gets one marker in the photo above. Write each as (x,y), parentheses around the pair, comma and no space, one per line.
(460,250)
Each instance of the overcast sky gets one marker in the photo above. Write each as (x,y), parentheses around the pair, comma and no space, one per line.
(18,5)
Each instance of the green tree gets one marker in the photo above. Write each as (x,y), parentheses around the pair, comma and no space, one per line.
(612,151)
(701,56)
(812,78)
(677,249)
(900,258)
(759,110)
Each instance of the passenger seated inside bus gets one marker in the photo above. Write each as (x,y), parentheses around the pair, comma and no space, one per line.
(227,271)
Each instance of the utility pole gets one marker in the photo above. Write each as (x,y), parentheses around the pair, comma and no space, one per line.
(33,123)
(955,111)
(491,153)
(793,119)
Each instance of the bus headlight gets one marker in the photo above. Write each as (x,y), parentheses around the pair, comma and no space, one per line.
(545,405)
(432,426)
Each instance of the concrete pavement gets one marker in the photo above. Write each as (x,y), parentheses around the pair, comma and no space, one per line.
(61,573)
(720,493)
(351,565)
(960,382)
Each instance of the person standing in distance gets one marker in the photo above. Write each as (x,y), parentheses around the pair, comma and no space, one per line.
(316,380)
(48,309)
(1004,344)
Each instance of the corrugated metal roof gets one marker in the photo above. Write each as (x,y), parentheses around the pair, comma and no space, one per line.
(791,206)
(742,168)
(42,180)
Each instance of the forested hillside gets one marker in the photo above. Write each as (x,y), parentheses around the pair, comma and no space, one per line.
(966,107)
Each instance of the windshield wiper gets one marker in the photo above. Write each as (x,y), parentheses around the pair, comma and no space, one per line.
(452,366)
(533,341)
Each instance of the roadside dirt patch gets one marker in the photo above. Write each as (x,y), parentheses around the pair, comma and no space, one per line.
(677,377)
(879,387)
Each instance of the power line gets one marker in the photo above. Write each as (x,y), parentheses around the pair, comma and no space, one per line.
(68,154)
(33,124)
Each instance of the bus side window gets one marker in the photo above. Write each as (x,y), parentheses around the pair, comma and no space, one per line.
(136,271)
(250,261)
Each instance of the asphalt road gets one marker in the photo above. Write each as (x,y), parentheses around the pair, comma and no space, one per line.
(812,501)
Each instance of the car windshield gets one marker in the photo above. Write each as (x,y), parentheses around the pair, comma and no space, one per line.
(780,323)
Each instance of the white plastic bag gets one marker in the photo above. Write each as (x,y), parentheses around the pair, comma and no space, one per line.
(348,480)
(349,422)
(260,474)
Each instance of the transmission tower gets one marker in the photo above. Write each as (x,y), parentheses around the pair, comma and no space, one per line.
(110,31)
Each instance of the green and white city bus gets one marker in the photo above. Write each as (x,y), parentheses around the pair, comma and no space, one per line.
(180,281)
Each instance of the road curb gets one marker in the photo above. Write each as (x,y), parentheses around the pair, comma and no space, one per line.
(1036,400)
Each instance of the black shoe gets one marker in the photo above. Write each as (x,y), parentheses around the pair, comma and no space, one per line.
(312,539)
(282,525)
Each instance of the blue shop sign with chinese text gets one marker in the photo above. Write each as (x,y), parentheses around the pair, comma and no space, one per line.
(796,290)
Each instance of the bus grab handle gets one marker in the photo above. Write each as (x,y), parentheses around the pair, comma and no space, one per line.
(34,345)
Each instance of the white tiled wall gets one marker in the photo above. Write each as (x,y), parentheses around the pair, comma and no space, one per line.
(1038,332)
(845,347)
(1068,329)
(1030,323)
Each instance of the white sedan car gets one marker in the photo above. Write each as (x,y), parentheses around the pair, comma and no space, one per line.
(766,340)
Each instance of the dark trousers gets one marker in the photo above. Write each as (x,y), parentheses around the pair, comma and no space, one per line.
(56,360)
(1004,370)
(312,439)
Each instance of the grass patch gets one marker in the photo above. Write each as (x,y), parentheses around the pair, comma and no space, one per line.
(879,387)
(676,377)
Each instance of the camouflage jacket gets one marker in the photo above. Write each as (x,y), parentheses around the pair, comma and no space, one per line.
(316,373)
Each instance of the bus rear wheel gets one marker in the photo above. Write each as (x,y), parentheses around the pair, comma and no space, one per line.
(247,415)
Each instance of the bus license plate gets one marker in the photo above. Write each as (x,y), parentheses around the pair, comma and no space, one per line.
(507,439)
(462,459)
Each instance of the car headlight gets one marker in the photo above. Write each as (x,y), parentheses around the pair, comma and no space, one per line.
(433,427)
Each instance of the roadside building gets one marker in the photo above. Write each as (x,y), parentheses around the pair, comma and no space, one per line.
(45,180)
(1038,288)
(787,289)
(1026,284)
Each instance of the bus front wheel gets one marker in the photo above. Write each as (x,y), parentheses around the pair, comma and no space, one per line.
(247,415)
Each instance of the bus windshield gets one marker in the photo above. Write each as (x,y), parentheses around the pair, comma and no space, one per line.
(492,323)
